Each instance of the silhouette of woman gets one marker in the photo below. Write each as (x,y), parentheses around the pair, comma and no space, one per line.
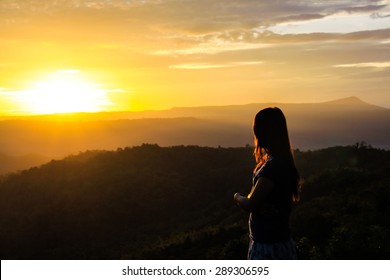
(275,188)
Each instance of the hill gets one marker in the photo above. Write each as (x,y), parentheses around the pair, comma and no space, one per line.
(311,125)
(150,202)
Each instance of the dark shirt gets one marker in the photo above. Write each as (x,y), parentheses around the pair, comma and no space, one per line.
(270,222)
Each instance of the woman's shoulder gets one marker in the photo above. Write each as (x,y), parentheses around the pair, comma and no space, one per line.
(272,167)
(278,161)
(275,162)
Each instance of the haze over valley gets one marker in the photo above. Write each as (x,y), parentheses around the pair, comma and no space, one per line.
(312,126)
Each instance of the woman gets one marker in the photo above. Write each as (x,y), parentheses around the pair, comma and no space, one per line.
(275,187)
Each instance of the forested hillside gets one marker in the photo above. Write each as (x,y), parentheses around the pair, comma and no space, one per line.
(150,202)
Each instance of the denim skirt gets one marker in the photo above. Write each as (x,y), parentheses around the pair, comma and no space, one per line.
(272,251)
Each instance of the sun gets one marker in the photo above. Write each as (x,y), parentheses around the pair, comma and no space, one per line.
(64,91)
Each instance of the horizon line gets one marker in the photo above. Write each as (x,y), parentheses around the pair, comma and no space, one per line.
(70,114)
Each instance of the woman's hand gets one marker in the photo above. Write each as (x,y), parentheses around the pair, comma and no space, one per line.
(239,199)
(236,197)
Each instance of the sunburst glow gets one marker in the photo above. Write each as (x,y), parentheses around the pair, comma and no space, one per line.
(64,91)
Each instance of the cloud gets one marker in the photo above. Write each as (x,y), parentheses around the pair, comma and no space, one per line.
(383,64)
(367,8)
(122,29)
(197,16)
(197,66)
(215,46)
(372,35)
(379,16)
(299,17)
(155,21)
(242,41)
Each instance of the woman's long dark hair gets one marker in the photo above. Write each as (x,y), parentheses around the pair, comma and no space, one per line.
(271,138)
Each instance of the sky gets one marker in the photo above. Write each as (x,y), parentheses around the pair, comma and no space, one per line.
(75,55)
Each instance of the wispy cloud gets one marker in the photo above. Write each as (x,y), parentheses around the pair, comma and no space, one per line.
(196,15)
(379,15)
(197,66)
(176,27)
(385,64)
(338,23)
(213,47)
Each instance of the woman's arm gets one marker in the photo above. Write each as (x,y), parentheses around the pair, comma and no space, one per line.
(256,197)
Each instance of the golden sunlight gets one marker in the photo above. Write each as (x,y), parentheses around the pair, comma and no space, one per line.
(64,91)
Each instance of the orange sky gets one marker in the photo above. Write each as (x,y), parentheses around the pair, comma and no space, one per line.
(157,54)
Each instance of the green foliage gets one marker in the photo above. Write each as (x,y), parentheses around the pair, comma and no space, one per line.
(105,205)
(150,202)
(344,213)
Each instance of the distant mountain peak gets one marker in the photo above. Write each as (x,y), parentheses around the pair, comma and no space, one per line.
(352,100)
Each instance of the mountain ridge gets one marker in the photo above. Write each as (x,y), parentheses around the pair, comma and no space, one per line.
(171,112)
(311,126)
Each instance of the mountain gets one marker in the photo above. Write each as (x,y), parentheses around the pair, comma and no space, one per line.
(227,112)
(311,125)
(151,202)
